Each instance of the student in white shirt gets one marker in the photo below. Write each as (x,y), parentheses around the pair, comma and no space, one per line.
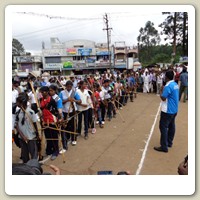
(70,99)
(83,108)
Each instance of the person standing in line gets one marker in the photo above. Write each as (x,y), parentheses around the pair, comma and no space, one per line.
(83,108)
(131,85)
(49,112)
(107,97)
(25,124)
(183,84)
(69,99)
(23,84)
(97,90)
(159,82)
(37,81)
(91,112)
(169,109)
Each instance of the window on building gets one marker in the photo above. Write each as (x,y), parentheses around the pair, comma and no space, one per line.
(78,46)
(53,60)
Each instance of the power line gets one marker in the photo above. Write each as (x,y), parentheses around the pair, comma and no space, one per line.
(57,17)
(54,27)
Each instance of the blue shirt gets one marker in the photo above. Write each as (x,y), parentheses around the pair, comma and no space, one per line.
(131,81)
(58,101)
(171,93)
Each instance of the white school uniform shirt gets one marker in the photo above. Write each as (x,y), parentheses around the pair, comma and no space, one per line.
(30,118)
(31,97)
(102,94)
(84,98)
(106,94)
(66,106)
(15,94)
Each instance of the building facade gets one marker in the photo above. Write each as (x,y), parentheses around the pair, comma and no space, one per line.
(85,56)
(78,57)
(27,63)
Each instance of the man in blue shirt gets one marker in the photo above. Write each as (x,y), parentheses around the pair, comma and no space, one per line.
(131,84)
(184,84)
(169,108)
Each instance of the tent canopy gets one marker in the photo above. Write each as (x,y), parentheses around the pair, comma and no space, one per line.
(136,63)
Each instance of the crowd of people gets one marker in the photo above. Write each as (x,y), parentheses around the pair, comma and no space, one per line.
(67,108)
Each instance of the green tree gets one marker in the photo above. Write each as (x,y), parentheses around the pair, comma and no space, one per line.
(148,38)
(175,28)
(17,48)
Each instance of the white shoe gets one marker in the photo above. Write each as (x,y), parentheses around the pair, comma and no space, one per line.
(97,122)
(62,151)
(74,143)
(103,122)
(69,142)
(93,130)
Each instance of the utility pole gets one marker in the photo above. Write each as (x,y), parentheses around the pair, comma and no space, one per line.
(108,37)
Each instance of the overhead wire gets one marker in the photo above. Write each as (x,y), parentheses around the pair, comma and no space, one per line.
(72,26)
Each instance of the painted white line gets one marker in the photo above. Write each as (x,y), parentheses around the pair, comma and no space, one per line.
(147,143)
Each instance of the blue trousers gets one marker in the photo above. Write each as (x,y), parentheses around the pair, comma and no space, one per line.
(167,129)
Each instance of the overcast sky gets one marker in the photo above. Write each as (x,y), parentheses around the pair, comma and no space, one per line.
(33,24)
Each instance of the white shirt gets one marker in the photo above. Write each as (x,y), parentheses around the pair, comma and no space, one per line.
(66,106)
(15,94)
(63,82)
(31,97)
(27,129)
(159,78)
(84,98)
(106,94)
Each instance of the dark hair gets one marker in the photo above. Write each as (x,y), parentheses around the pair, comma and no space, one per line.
(96,85)
(69,83)
(44,89)
(184,70)
(22,99)
(106,81)
(53,87)
(122,173)
(170,75)
(15,82)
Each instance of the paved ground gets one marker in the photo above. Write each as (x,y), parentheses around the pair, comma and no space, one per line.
(120,145)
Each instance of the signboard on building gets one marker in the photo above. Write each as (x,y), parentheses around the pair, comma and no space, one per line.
(67,64)
(25,67)
(102,52)
(91,59)
(84,51)
(71,51)
(53,66)
(25,59)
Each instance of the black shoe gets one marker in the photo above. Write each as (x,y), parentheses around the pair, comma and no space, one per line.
(86,137)
(160,149)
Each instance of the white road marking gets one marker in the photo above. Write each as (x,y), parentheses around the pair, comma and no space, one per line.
(147,143)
